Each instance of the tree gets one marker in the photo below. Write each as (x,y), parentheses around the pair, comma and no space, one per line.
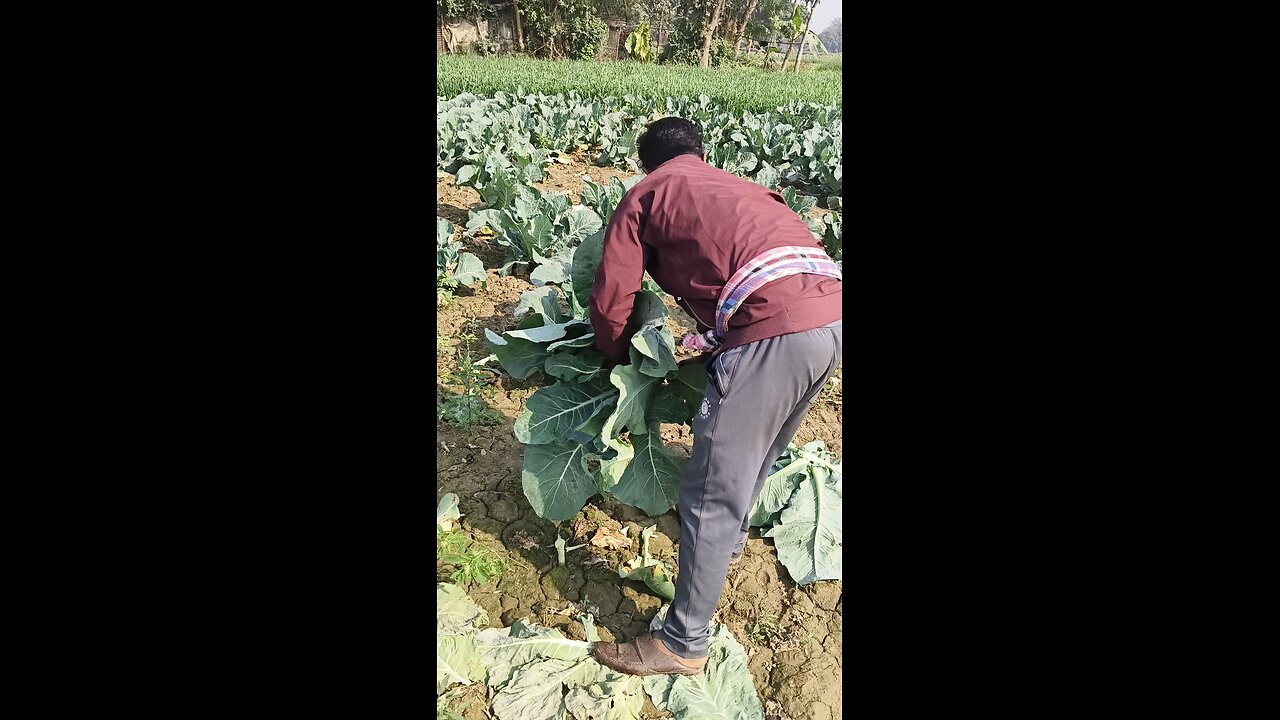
(791,30)
(709,32)
(813,6)
(661,15)
(561,27)
(515,9)
(742,28)
(688,32)
(735,18)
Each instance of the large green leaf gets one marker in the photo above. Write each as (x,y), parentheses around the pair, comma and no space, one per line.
(552,412)
(444,231)
(657,350)
(690,383)
(648,311)
(679,399)
(722,691)
(549,333)
(536,690)
(585,259)
(455,612)
(585,341)
(556,480)
(501,190)
(613,696)
(786,475)
(457,661)
(519,357)
(808,534)
(469,269)
(652,481)
(533,320)
(580,222)
(529,238)
(523,642)
(776,491)
(768,176)
(555,269)
(557,203)
(667,407)
(634,392)
(509,652)
(592,193)
(544,301)
(579,368)
(491,218)
(614,465)
(589,434)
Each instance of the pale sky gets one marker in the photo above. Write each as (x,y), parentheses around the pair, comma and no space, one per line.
(827,11)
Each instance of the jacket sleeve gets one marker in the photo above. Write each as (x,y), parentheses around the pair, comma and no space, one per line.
(617,282)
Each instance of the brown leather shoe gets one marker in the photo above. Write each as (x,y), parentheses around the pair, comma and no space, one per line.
(646,655)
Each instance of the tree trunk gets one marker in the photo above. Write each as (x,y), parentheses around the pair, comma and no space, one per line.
(804,37)
(742,30)
(515,8)
(555,24)
(708,33)
(783,67)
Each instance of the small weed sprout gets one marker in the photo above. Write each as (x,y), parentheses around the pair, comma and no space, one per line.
(764,629)
(476,564)
(468,408)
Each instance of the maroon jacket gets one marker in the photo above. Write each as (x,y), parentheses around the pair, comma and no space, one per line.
(692,225)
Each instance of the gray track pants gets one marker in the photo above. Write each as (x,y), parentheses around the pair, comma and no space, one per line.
(757,395)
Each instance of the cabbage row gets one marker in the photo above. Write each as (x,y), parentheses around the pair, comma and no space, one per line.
(800,141)
(535,226)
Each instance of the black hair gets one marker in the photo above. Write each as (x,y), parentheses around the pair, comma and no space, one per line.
(667,138)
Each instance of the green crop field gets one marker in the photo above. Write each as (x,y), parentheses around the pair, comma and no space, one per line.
(734,88)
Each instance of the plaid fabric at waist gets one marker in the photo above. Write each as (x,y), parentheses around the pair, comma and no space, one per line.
(763,269)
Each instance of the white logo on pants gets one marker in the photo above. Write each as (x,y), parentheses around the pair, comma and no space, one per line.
(705,411)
